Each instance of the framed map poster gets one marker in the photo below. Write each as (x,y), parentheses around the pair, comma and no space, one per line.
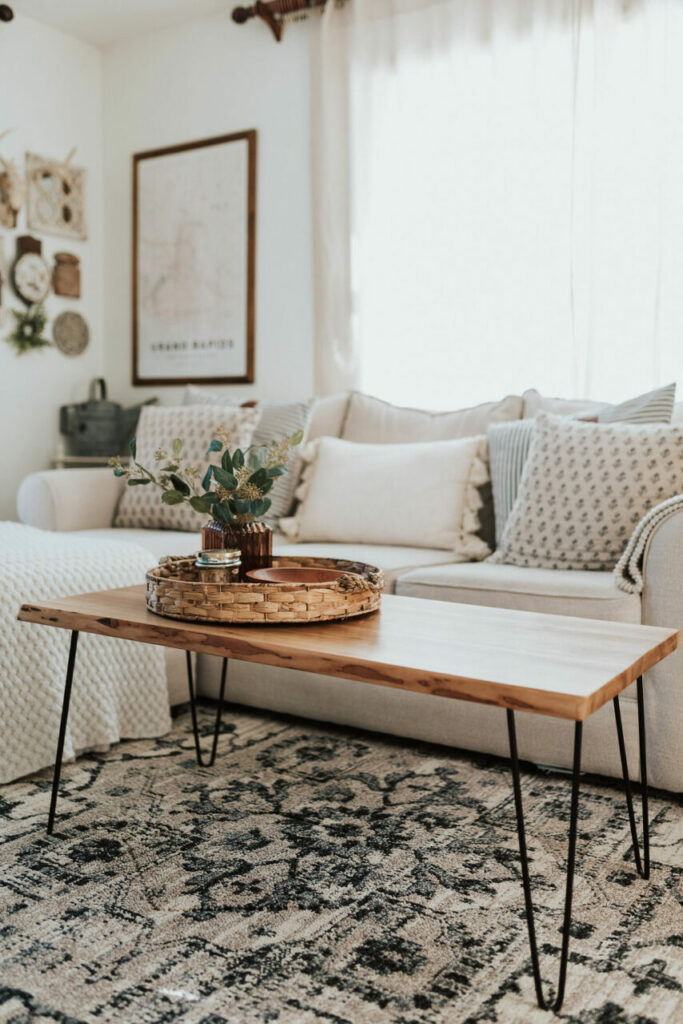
(194,227)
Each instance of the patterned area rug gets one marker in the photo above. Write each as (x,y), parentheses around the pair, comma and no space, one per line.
(318,874)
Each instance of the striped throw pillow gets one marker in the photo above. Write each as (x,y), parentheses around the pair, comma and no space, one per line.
(509,444)
(653,407)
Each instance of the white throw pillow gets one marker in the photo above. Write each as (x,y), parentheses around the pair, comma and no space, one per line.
(142,507)
(408,495)
(584,488)
(373,421)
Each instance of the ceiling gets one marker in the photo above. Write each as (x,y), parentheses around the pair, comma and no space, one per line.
(103,22)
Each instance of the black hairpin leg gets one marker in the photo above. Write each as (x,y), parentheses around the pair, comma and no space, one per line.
(193,708)
(62,731)
(571,856)
(642,867)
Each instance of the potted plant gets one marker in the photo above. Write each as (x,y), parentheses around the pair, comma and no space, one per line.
(233,492)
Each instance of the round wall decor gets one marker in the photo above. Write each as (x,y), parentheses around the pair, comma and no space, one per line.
(30,273)
(71,333)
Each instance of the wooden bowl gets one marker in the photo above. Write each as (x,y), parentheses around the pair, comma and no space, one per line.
(295,574)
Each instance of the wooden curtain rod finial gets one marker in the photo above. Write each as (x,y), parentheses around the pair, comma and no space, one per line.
(6,13)
(273,11)
(240,15)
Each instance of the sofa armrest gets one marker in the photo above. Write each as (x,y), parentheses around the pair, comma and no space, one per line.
(69,499)
(662,605)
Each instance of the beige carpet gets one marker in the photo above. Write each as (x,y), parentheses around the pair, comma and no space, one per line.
(323,875)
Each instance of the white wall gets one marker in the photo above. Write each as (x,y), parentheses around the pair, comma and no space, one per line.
(210,77)
(50,92)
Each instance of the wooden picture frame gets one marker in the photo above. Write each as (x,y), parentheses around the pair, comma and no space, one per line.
(194,227)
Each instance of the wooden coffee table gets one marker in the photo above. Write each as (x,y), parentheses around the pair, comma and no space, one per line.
(518,661)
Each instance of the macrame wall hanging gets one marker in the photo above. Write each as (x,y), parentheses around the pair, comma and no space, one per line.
(276,12)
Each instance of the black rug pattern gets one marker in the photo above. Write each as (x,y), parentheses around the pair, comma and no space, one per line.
(318,874)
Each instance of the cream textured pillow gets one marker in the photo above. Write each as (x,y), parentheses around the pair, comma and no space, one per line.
(373,421)
(142,507)
(278,420)
(584,488)
(411,495)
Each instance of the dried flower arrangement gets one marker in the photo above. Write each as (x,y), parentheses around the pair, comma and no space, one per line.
(232,493)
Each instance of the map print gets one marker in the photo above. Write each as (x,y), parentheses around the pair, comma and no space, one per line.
(192,262)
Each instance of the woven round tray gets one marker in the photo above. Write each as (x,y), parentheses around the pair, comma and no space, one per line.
(175,591)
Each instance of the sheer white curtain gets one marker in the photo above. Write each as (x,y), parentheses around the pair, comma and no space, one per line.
(499,197)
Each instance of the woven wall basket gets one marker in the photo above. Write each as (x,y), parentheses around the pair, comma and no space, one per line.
(175,591)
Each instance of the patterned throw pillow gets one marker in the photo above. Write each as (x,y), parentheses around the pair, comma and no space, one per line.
(142,507)
(585,487)
(509,443)
(278,419)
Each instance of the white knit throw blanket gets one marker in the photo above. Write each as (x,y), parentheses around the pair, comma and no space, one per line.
(628,571)
(119,687)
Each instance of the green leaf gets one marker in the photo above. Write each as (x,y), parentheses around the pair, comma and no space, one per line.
(172,467)
(215,446)
(237,458)
(200,505)
(221,513)
(138,481)
(276,471)
(226,480)
(253,461)
(211,497)
(259,477)
(267,486)
(172,497)
(259,508)
(180,485)
(119,472)
(296,438)
(177,446)
(226,461)
(206,479)
(241,506)
(132,444)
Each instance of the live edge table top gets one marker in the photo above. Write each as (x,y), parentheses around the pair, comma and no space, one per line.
(526,661)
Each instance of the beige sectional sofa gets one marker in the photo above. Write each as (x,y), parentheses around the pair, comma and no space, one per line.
(84,500)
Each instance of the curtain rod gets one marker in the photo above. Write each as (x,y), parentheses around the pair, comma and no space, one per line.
(273,12)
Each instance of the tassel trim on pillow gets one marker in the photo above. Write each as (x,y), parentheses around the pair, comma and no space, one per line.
(290,525)
(469,547)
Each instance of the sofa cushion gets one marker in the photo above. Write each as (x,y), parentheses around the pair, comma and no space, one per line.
(535,402)
(373,421)
(157,542)
(328,416)
(392,560)
(592,595)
